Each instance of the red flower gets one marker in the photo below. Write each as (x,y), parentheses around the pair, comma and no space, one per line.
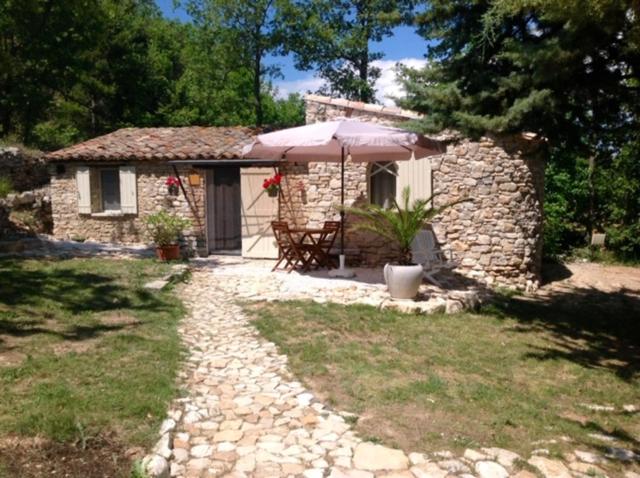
(271,183)
(171,181)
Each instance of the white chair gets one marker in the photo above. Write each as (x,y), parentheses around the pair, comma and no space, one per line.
(426,251)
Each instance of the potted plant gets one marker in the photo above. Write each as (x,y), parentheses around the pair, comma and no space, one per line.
(165,230)
(399,224)
(272,185)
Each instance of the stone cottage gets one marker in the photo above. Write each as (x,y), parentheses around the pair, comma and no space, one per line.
(104,188)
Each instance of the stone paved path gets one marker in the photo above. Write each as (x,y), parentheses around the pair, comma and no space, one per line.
(244,415)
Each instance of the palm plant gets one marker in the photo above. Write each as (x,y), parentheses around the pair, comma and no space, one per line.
(399,223)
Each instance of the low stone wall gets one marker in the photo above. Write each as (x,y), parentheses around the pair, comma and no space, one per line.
(25,169)
(25,213)
(130,228)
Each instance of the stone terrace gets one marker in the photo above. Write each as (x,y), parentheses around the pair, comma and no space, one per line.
(252,280)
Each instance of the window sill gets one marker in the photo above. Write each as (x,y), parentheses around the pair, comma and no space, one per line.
(107,214)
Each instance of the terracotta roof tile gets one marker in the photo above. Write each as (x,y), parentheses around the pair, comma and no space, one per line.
(187,143)
(360,106)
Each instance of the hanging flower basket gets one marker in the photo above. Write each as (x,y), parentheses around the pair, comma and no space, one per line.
(172,184)
(272,185)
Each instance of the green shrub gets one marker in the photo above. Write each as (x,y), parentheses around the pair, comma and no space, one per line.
(165,229)
(50,135)
(5,186)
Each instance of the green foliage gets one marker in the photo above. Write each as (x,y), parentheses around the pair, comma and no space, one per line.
(247,31)
(165,229)
(566,69)
(608,201)
(93,66)
(399,224)
(6,186)
(284,112)
(334,38)
(138,471)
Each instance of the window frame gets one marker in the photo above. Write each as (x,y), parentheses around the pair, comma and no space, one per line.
(388,168)
(116,171)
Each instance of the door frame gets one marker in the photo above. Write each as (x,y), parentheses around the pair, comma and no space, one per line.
(209,184)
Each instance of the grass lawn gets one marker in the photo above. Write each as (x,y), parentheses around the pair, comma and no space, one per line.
(515,375)
(87,356)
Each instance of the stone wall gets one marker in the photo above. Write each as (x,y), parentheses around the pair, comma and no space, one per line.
(496,236)
(127,229)
(25,169)
(25,213)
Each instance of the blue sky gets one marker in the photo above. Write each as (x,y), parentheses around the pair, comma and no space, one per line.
(404,46)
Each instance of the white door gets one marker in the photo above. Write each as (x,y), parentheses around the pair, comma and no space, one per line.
(258,210)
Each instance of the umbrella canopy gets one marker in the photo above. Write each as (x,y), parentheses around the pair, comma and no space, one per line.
(332,140)
(337,140)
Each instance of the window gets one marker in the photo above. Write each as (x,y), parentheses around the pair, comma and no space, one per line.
(382,183)
(110,189)
(107,191)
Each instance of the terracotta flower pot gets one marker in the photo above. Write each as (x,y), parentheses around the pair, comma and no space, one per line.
(168,253)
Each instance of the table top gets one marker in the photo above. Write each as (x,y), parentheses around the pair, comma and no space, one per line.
(312,230)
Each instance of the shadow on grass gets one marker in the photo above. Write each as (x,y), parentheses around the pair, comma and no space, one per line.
(39,300)
(588,326)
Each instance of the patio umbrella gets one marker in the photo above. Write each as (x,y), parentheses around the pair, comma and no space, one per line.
(334,141)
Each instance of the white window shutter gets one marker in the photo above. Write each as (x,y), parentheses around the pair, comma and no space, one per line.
(83,180)
(415,173)
(128,190)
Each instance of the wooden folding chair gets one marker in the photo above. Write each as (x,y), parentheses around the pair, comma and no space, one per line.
(319,251)
(289,251)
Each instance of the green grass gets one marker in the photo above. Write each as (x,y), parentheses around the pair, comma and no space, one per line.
(514,374)
(85,349)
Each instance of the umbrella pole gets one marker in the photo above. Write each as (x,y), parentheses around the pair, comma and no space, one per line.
(342,271)
(342,203)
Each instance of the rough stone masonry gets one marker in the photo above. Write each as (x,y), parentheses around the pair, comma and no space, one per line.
(496,237)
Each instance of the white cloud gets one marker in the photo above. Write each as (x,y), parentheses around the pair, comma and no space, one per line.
(387,85)
(311,83)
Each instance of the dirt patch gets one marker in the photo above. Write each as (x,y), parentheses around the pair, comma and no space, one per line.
(119,319)
(589,275)
(102,457)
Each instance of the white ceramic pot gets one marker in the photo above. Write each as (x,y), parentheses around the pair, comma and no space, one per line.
(403,282)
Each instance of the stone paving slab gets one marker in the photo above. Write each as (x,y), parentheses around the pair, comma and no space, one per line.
(245,415)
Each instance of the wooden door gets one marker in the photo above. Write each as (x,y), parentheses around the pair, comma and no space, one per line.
(258,210)
(223,209)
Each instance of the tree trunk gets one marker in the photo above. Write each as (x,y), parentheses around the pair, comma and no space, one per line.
(363,74)
(592,197)
(256,87)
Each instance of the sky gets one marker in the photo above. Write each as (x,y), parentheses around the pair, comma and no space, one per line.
(405,47)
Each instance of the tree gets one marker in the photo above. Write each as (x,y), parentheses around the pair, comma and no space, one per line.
(568,70)
(250,29)
(40,46)
(334,38)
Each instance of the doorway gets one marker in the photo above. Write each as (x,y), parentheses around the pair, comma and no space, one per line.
(224,227)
